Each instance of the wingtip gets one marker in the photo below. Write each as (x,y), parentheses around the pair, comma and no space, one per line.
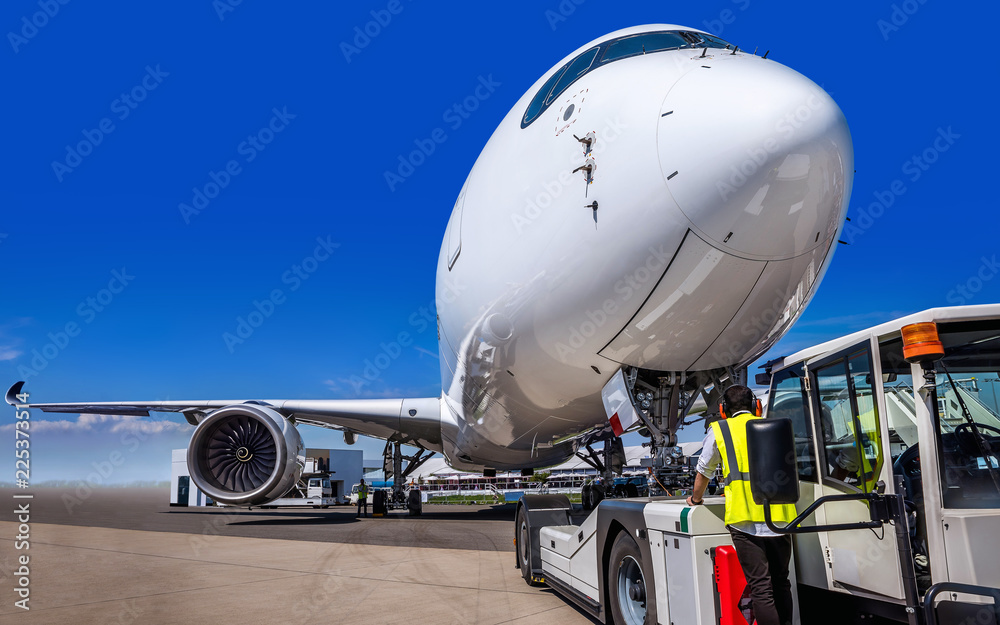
(13,392)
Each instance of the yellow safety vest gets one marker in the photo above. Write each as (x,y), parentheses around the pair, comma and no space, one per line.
(363,491)
(870,467)
(731,439)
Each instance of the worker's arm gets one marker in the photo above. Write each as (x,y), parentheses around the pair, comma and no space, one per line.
(697,495)
(707,462)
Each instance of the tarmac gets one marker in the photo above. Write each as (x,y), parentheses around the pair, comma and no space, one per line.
(125,556)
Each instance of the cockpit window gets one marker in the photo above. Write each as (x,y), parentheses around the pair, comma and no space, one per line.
(576,68)
(704,40)
(643,44)
(537,104)
(610,51)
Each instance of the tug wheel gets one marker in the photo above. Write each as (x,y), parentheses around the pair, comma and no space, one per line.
(633,598)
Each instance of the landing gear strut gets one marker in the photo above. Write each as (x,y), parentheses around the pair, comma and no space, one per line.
(663,402)
(393,457)
(608,463)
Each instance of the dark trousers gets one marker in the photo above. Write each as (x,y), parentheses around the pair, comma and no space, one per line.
(765,565)
(362,505)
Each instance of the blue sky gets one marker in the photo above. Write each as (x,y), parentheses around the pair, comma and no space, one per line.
(170,166)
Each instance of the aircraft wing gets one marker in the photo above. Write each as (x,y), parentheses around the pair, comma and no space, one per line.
(415,421)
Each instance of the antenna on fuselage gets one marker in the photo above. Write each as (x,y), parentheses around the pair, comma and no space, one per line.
(704,51)
(736,49)
(766,53)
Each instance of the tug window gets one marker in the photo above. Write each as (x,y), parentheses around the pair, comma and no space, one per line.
(790,400)
(849,421)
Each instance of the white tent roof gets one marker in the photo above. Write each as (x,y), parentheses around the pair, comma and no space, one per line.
(437,468)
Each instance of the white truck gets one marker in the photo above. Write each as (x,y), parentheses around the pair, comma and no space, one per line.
(313,490)
(896,426)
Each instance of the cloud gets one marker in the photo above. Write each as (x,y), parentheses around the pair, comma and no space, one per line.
(112,424)
(9,343)
(145,426)
(45,426)
(858,321)
(348,389)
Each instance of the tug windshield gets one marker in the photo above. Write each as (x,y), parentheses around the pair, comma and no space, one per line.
(967,419)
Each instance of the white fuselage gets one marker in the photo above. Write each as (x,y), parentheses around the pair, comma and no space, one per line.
(721,184)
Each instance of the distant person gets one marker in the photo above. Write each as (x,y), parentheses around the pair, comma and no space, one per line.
(763,554)
(362,498)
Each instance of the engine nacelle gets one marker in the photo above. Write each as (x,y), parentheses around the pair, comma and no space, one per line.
(245,455)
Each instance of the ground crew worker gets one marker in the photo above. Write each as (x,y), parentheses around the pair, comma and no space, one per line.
(763,554)
(362,498)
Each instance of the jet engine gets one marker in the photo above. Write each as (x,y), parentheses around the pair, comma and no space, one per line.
(245,455)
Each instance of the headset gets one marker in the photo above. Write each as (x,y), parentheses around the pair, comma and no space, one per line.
(758,407)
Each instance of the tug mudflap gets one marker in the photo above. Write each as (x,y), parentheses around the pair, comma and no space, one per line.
(533,513)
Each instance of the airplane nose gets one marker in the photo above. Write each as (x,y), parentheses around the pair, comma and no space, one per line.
(756,156)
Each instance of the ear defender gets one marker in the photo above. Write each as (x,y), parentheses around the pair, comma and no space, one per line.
(722,411)
(760,409)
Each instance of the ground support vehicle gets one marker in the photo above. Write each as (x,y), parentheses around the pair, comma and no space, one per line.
(312,489)
(891,442)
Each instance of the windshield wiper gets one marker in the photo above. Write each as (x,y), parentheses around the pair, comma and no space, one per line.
(981,441)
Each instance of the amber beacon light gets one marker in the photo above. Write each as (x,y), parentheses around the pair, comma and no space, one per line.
(921,342)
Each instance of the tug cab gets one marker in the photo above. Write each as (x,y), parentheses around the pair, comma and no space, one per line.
(893,439)
(863,412)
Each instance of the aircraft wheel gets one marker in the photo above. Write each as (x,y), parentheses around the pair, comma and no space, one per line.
(524,547)
(597,494)
(633,598)
(413,503)
(587,497)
